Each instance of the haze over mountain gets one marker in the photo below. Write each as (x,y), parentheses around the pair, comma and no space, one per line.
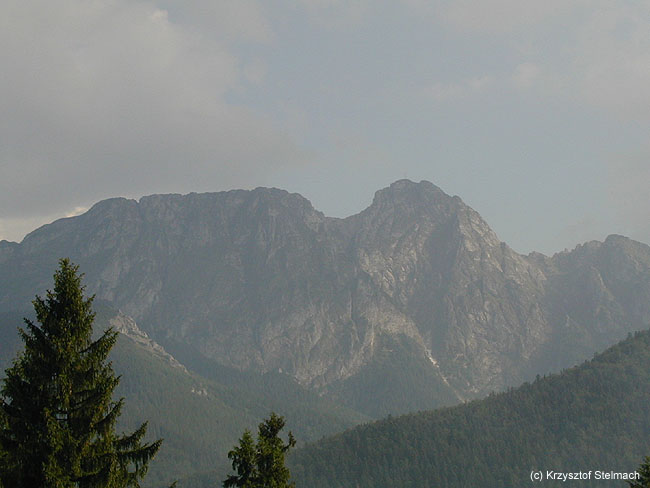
(591,418)
(411,304)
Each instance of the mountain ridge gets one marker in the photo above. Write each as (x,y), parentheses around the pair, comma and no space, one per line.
(260,280)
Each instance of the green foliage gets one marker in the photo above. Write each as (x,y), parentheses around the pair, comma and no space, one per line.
(244,462)
(222,407)
(163,394)
(644,472)
(57,408)
(592,417)
(261,465)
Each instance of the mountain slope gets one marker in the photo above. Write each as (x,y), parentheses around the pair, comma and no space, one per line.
(416,286)
(200,418)
(592,417)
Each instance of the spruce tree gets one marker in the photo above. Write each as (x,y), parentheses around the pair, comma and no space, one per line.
(644,475)
(59,416)
(261,465)
(244,462)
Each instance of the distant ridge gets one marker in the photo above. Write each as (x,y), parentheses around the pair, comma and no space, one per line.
(412,303)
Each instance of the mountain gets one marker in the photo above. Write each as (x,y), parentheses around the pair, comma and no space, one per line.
(593,417)
(411,304)
(200,418)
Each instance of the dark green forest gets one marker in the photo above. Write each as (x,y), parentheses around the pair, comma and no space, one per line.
(200,417)
(595,416)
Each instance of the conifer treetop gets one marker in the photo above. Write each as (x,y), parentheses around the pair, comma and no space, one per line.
(57,401)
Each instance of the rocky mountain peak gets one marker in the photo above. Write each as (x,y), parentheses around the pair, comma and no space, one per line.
(409,196)
(261,280)
(419,219)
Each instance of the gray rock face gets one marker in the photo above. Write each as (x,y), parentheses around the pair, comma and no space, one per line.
(126,326)
(261,280)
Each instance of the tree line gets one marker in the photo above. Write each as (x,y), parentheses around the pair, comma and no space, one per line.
(58,418)
(58,414)
(593,416)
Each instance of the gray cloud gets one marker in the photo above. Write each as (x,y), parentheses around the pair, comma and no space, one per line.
(332,99)
(500,16)
(602,57)
(611,67)
(115,98)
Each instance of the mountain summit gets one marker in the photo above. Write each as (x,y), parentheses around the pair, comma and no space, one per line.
(412,303)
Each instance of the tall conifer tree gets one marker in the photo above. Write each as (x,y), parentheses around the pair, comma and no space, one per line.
(57,405)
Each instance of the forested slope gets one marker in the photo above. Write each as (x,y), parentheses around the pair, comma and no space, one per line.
(200,418)
(595,416)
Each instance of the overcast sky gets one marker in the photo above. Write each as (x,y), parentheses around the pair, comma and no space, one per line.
(536,113)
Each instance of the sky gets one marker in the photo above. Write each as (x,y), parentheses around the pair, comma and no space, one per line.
(537,114)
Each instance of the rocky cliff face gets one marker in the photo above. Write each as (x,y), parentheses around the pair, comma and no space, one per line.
(126,326)
(260,280)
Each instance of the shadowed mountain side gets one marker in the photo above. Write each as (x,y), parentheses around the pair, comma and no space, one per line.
(595,416)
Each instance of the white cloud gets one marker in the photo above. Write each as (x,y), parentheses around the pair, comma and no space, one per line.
(14,229)
(76,211)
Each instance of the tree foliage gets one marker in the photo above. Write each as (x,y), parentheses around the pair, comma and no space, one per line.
(593,416)
(261,464)
(57,408)
(644,472)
